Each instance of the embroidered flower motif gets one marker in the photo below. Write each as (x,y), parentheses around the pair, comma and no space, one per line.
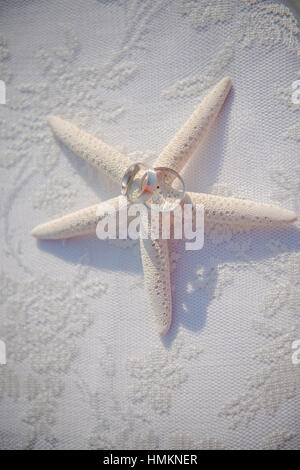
(293,132)
(278,440)
(4,60)
(284,298)
(186,441)
(55,196)
(210,275)
(40,389)
(278,380)
(267,24)
(43,317)
(196,84)
(288,184)
(158,375)
(203,14)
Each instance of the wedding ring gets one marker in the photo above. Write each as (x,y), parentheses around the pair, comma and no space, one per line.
(127,177)
(147,181)
(166,198)
(153,187)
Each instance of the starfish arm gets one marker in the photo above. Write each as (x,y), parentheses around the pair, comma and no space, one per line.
(91,149)
(82,222)
(155,259)
(183,145)
(238,214)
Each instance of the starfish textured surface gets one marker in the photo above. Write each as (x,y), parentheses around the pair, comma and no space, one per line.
(240,215)
(91,149)
(182,146)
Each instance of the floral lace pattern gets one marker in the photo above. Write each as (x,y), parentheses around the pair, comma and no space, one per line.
(159,374)
(71,342)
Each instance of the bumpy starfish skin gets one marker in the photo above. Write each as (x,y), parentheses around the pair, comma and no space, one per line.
(183,145)
(239,215)
(82,222)
(91,149)
(156,266)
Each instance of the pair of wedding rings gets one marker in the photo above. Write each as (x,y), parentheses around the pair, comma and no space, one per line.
(147,181)
(152,183)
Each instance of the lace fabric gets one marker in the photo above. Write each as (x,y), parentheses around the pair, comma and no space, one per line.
(82,352)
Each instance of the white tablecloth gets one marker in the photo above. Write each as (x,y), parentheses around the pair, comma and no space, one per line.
(85,366)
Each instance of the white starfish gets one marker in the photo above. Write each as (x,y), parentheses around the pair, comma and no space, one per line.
(240,215)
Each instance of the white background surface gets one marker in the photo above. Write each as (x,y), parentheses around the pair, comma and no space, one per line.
(86,339)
